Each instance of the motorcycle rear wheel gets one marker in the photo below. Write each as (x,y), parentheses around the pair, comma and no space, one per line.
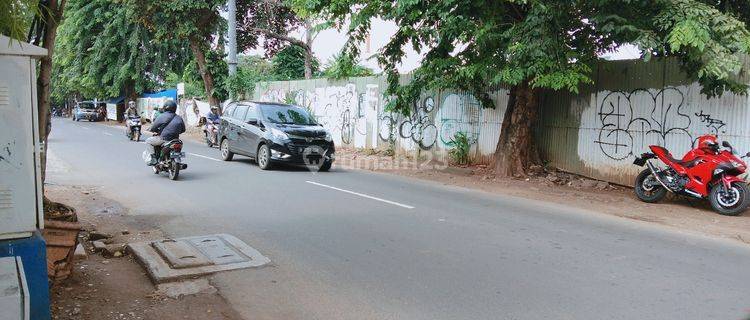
(209,143)
(725,204)
(650,193)
(174,171)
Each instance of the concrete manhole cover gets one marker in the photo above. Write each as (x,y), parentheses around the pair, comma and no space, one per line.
(175,259)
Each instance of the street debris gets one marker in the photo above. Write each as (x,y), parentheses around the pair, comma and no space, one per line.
(98,235)
(80,253)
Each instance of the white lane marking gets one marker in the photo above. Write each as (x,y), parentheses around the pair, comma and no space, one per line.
(362,195)
(202,156)
(85,128)
(107,133)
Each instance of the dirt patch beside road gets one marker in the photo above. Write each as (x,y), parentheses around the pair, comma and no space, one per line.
(682,213)
(117,287)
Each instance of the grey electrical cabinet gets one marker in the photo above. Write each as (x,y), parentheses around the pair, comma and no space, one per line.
(20,169)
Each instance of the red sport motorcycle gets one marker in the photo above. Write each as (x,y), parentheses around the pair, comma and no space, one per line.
(704,172)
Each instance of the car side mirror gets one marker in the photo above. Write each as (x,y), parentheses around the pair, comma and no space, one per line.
(726,144)
(253,122)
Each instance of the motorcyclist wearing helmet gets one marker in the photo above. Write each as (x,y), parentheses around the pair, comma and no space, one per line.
(168,126)
(213,116)
(130,112)
(158,112)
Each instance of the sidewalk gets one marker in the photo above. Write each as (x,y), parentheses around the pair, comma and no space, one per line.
(115,287)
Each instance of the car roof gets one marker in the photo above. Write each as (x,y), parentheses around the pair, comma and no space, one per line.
(265,103)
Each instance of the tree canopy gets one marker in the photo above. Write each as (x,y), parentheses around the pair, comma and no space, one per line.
(103,51)
(289,64)
(196,21)
(344,66)
(16,17)
(472,44)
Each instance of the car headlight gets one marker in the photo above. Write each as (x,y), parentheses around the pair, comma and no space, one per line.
(329,138)
(278,135)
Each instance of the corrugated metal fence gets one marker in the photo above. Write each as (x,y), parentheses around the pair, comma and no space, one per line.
(595,133)
(632,105)
(354,112)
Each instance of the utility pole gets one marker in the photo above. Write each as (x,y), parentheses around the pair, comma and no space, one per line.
(232,37)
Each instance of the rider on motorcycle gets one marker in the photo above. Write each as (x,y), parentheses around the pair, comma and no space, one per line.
(168,126)
(131,111)
(213,115)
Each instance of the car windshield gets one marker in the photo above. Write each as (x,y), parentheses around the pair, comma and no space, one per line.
(86,106)
(287,115)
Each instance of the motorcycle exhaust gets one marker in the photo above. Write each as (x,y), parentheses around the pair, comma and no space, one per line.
(693,193)
(656,176)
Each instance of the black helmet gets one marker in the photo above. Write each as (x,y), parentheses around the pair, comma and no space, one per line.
(170,106)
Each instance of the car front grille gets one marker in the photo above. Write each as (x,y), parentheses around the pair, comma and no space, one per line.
(298,147)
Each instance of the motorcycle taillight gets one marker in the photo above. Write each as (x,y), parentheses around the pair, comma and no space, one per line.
(177,146)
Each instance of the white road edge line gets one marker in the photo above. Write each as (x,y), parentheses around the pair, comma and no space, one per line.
(106,133)
(202,156)
(362,195)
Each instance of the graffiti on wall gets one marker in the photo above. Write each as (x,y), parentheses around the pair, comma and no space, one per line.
(631,121)
(715,125)
(459,113)
(418,126)
(348,113)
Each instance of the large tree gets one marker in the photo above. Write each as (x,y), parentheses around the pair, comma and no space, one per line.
(196,21)
(273,22)
(43,32)
(545,44)
(103,51)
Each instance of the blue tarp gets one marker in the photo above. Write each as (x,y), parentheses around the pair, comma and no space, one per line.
(169,93)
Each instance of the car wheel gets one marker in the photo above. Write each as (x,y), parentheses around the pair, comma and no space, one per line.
(264,157)
(326,166)
(226,155)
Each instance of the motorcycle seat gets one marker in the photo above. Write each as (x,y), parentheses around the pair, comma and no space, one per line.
(171,142)
(684,163)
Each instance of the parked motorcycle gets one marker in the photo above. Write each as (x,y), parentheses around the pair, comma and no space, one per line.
(704,172)
(170,159)
(133,128)
(211,133)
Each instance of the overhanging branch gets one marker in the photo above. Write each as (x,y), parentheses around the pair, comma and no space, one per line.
(269,33)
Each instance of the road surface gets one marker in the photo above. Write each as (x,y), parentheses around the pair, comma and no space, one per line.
(357,245)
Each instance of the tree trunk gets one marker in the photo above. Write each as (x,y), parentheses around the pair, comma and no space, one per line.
(129,91)
(55,10)
(208,79)
(308,49)
(516,149)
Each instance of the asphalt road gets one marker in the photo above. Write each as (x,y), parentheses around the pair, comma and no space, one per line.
(358,245)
